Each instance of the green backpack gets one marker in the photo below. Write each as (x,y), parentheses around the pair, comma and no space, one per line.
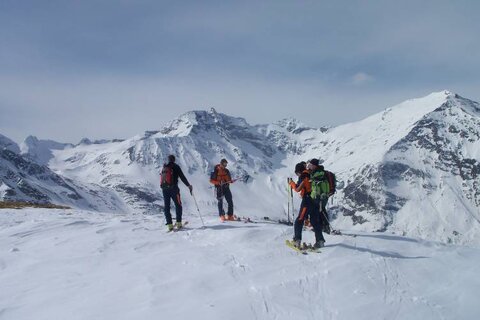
(320,185)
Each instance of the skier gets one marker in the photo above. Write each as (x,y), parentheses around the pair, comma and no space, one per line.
(306,208)
(221,179)
(169,184)
(320,193)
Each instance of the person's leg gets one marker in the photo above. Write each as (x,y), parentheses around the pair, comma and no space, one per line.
(315,221)
(178,204)
(299,221)
(220,201)
(324,216)
(228,197)
(166,202)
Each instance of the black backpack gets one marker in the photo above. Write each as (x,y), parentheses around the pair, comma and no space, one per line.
(332,181)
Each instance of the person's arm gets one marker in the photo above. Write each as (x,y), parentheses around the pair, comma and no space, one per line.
(182,176)
(229,177)
(296,186)
(213,179)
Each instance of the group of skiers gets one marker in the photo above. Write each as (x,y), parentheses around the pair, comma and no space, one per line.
(314,185)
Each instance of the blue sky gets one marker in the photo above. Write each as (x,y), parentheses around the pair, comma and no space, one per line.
(112,69)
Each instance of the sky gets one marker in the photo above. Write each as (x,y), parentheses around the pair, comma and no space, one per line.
(107,69)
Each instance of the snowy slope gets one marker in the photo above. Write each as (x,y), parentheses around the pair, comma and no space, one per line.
(412,169)
(69,264)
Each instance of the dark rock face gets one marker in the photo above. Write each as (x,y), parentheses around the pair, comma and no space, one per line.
(137,193)
(27,180)
(140,198)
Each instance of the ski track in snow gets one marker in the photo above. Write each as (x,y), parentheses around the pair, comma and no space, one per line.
(65,264)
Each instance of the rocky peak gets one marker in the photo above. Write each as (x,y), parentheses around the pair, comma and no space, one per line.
(7,143)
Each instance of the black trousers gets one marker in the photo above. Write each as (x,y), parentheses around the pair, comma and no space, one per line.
(223,191)
(308,209)
(322,204)
(172,193)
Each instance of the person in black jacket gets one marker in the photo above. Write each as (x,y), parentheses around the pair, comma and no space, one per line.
(169,184)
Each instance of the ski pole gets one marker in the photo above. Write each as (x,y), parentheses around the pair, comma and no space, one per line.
(291,197)
(288,201)
(198,209)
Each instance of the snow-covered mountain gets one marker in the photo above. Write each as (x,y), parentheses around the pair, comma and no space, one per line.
(411,169)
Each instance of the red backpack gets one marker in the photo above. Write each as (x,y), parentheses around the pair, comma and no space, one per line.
(166,177)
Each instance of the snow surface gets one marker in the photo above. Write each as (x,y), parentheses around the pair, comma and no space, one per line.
(71,264)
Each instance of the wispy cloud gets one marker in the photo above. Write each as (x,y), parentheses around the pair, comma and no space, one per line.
(361,78)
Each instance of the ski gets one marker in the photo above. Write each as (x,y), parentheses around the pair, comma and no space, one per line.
(280,221)
(240,219)
(176,229)
(336,232)
(304,249)
(245,219)
(265,219)
(184,223)
(290,244)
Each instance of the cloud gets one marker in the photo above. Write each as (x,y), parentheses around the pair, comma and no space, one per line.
(361,78)
(116,68)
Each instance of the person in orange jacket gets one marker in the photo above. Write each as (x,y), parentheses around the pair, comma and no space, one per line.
(303,187)
(222,179)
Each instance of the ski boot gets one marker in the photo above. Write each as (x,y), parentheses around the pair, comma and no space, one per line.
(326,229)
(297,243)
(319,244)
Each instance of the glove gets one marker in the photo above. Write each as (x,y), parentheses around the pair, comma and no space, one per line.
(292,184)
(190,187)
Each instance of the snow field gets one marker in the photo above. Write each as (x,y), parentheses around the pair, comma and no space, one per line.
(70,264)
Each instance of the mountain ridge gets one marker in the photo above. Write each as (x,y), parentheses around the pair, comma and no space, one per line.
(395,163)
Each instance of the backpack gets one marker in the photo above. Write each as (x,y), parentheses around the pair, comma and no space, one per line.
(166,177)
(320,185)
(219,174)
(332,181)
(213,174)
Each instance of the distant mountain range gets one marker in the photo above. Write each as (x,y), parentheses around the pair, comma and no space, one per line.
(411,169)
